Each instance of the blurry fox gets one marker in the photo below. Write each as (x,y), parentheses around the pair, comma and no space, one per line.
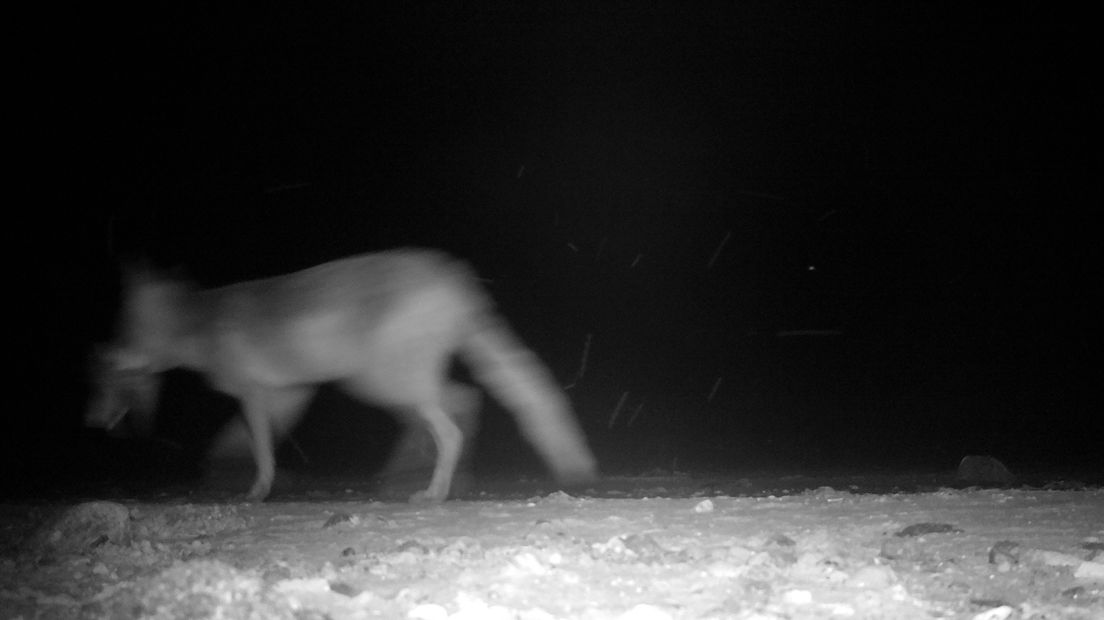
(384,327)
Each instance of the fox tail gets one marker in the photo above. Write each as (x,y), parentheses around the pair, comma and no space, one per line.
(519,380)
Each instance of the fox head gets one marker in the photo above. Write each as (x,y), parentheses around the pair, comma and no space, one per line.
(125,375)
(150,317)
(122,382)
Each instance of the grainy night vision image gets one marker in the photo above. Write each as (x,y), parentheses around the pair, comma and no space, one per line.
(612,310)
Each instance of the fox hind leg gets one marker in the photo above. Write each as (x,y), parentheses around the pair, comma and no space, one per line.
(419,399)
(449,441)
(414,455)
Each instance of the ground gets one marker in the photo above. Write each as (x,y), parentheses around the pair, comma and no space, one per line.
(674,546)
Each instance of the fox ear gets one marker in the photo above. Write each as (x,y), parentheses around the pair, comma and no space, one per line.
(137,270)
(142,271)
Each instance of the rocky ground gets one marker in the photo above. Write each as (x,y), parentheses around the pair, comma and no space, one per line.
(674,546)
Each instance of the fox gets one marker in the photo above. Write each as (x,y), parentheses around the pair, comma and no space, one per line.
(383,326)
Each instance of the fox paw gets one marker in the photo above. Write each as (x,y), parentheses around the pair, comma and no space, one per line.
(578,476)
(425,497)
(258,493)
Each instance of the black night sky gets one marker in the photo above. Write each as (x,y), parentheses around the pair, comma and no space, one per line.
(797,235)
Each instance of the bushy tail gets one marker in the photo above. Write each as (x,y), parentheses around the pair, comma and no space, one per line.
(520,381)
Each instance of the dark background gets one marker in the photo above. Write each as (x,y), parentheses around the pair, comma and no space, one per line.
(798,235)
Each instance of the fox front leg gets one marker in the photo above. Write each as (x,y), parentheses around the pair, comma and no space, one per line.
(264,455)
(270,414)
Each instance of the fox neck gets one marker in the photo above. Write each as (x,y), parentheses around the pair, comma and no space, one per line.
(164,328)
(185,351)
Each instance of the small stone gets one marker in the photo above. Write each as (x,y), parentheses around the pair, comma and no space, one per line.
(871,577)
(428,611)
(984,471)
(704,506)
(645,612)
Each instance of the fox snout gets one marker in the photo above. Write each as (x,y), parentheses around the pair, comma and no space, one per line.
(121,383)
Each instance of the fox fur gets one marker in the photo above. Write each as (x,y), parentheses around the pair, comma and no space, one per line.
(383,326)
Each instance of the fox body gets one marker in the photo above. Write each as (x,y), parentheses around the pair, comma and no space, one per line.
(383,326)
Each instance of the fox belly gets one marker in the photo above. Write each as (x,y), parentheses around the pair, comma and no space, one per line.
(411,457)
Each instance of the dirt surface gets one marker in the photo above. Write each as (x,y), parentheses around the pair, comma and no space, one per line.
(639,548)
